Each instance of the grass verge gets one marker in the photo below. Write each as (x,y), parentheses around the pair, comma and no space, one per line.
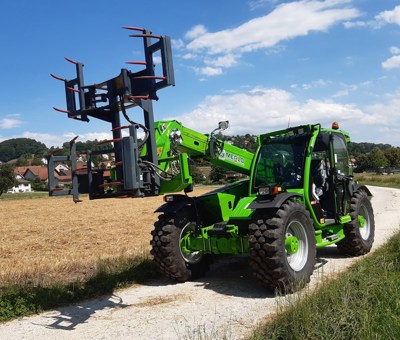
(17,301)
(24,196)
(389,181)
(362,303)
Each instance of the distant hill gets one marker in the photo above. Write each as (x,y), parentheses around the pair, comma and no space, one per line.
(15,148)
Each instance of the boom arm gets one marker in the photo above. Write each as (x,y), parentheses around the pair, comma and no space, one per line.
(176,142)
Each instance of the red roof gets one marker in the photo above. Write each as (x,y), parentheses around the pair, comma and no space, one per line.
(38,171)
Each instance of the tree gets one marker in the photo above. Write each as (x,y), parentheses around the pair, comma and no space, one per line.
(196,174)
(362,163)
(24,160)
(14,148)
(39,185)
(393,156)
(377,159)
(217,174)
(7,177)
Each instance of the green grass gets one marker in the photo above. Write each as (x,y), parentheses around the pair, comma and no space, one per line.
(362,303)
(18,301)
(392,181)
(24,195)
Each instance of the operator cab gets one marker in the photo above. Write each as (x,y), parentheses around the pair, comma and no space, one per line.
(281,163)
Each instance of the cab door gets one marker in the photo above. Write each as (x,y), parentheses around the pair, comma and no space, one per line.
(341,172)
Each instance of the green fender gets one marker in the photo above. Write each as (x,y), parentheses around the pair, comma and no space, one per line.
(179,202)
(273,202)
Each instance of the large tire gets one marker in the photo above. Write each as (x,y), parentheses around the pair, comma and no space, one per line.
(272,248)
(360,232)
(166,248)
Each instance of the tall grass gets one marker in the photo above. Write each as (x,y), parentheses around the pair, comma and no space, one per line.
(392,180)
(362,303)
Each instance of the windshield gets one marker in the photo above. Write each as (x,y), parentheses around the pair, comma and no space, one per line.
(280,162)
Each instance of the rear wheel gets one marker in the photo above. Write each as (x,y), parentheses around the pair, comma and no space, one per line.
(169,248)
(360,231)
(282,248)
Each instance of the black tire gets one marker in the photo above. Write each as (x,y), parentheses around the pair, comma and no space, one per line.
(166,248)
(273,262)
(359,232)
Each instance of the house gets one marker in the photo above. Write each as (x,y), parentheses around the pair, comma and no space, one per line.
(36,172)
(23,186)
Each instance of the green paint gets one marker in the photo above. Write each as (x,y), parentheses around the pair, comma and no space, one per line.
(291,245)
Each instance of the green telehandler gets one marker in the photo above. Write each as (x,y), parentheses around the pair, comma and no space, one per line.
(298,195)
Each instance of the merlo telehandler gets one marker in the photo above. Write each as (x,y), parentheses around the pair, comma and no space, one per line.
(298,193)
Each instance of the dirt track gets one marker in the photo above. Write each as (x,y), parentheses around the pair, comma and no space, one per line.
(228,302)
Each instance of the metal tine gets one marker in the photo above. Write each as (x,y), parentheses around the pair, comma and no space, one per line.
(72,89)
(58,78)
(150,77)
(109,141)
(145,36)
(61,110)
(120,128)
(71,61)
(136,62)
(134,28)
(139,97)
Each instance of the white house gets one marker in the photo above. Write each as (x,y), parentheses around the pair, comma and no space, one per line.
(23,186)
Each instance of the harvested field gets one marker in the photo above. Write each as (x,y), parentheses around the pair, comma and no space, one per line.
(49,240)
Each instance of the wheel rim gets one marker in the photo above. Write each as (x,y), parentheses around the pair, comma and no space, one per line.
(184,241)
(296,256)
(364,222)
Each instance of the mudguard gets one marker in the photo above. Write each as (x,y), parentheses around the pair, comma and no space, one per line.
(363,188)
(179,202)
(273,201)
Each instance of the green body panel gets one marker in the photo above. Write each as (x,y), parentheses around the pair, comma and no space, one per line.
(181,181)
(241,210)
(230,243)
(175,142)
(329,235)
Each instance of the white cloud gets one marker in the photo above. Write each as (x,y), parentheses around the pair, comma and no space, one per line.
(286,21)
(351,24)
(256,4)
(392,62)
(177,43)
(227,60)
(390,17)
(348,88)
(312,85)
(208,71)
(195,32)
(260,109)
(10,123)
(383,18)
(394,50)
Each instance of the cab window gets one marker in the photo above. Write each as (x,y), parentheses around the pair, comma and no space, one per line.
(340,155)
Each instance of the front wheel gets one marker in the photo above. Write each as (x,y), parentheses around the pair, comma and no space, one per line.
(282,248)
(360,232)
(169,248)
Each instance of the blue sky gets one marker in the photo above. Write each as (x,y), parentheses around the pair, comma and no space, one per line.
(258,63)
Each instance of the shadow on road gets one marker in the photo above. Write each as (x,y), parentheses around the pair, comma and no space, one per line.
(68,318)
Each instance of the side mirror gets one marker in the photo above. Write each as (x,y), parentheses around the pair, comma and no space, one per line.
(223,125)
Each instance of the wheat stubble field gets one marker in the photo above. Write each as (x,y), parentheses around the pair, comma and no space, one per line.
(49,240)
